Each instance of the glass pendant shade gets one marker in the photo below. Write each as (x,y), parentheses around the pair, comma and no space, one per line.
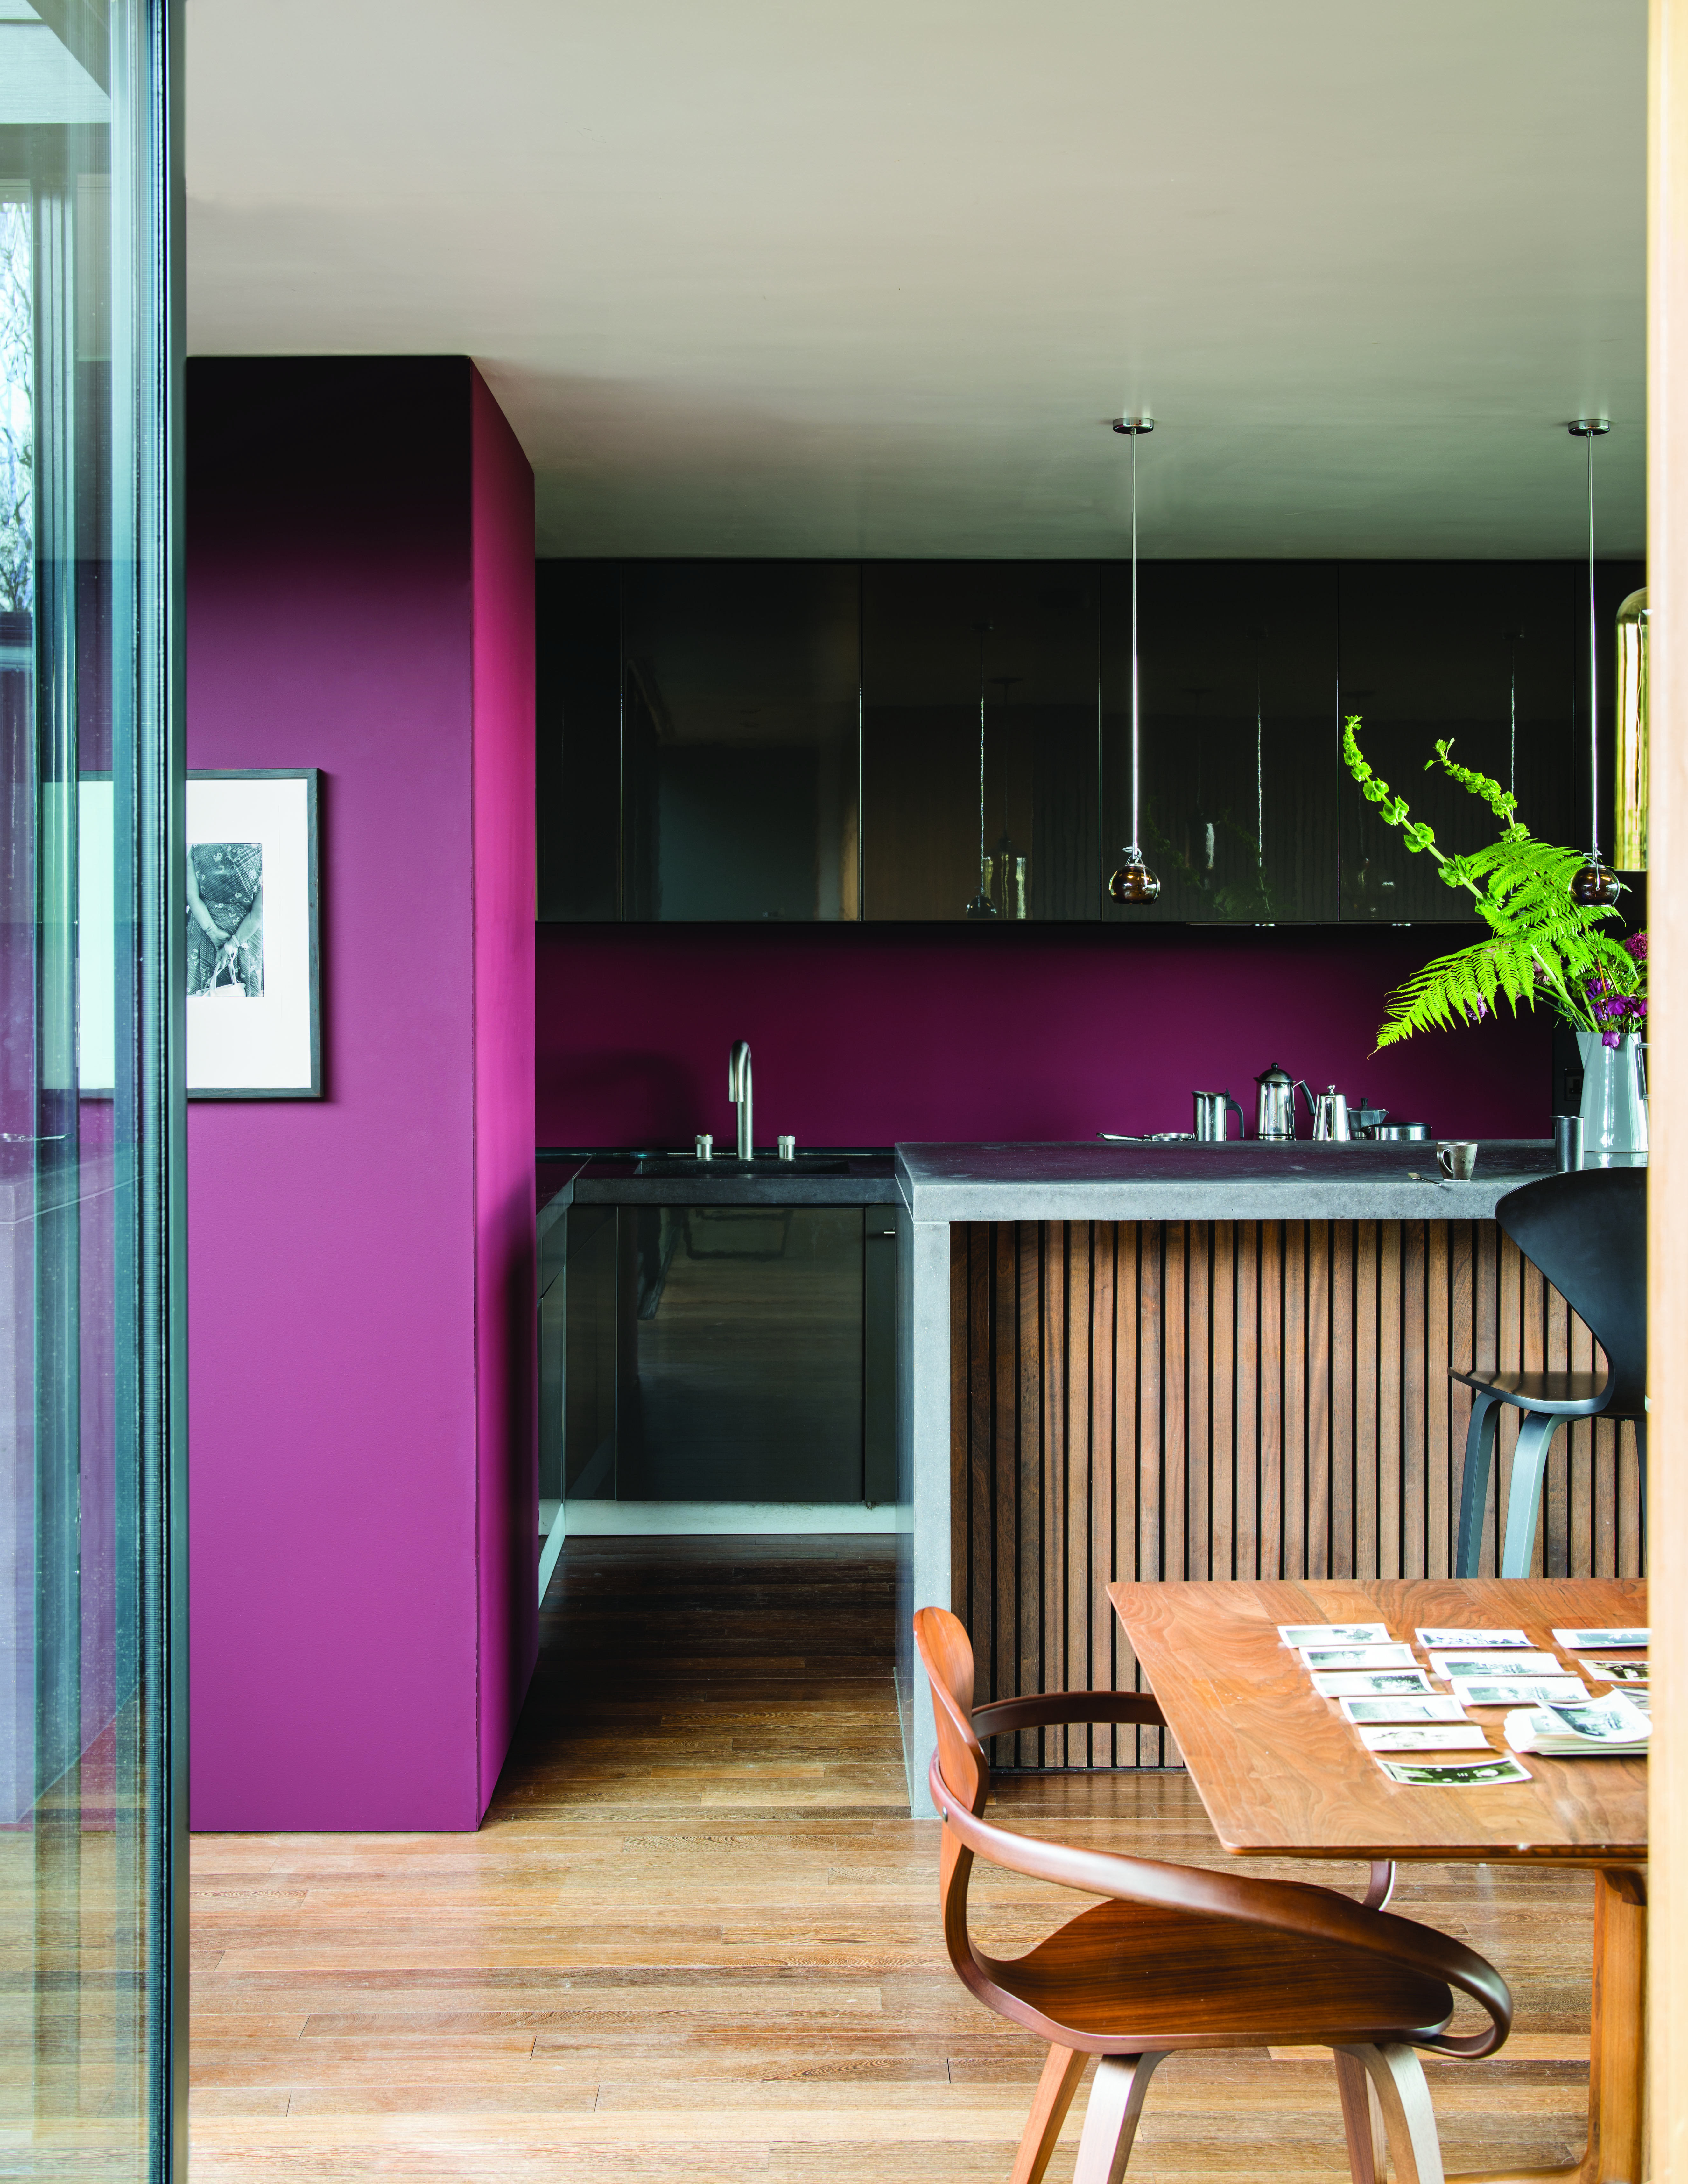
(1133,881)
(1596,883)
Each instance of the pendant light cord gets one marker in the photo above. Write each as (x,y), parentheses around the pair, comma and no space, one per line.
(1593,679)
(1136,837)
(983,627)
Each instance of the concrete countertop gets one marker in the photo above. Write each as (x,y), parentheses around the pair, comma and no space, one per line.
(1242,1181)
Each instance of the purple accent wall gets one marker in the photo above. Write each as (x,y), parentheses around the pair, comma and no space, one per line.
(864,1035)
(360,543)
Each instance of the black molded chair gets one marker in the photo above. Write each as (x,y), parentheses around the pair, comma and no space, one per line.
(1588,1234)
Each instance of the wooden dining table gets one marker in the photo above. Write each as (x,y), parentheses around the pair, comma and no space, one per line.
(1283,1775)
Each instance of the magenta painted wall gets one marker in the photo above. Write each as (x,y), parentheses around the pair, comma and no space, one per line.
(864,1035)
(501,527)
(359,1372)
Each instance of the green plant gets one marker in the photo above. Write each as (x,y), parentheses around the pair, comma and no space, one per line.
(1542,946)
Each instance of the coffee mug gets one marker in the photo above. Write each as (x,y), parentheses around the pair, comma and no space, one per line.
(1458,1158)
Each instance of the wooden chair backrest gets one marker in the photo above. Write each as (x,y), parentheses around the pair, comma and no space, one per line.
(960,1784)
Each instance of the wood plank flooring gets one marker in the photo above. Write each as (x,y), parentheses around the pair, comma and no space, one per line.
(697,1936)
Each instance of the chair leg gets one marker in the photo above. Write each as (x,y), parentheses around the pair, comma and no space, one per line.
(1523,1492)
(1060,2081)
(1397,2078)
(1111,2119)
(1361,2117)
(1473,1493)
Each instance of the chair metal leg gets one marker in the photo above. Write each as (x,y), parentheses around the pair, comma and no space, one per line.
(1111,2119)
(1473,1493)
(1523,1493)
(1063,2071)
(1409,2121)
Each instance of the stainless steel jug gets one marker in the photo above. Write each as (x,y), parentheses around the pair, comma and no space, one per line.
(1211,1110)
(1330,1116)
(1275,1106)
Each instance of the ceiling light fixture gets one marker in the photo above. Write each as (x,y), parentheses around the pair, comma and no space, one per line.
(1133,883)
(1596,883)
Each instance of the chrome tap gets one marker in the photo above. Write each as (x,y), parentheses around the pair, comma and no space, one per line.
(738,1091)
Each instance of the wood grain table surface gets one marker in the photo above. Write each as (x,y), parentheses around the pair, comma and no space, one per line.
(1281,1772)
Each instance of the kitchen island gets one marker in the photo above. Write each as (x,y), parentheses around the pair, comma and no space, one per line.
(1171,1361)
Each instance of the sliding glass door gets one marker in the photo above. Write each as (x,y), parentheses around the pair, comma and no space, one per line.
(90,1102)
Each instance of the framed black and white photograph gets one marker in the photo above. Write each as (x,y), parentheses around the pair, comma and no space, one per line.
(251,951)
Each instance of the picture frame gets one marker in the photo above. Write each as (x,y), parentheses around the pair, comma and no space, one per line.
(250,952)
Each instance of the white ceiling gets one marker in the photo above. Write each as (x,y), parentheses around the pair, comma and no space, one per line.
(867,276)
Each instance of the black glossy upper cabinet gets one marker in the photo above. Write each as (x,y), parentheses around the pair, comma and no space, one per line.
(1238,746)
(978,766)
(918,741)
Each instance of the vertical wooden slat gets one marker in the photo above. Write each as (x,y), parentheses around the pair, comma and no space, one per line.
(1197,1379)
(1051,1251)
(1295,1484)
(1462,1304)
(1150,1505)
(1009,1500)
(1438,1304)
(1366,1392)
(1104,1456)
(1317,1399)
(1414,1364)
(1509,1358)
(1245,1372)
(974,1521)
(1390,1447)
(1342,1481)
(1270,1359)
(1033,1515)
(1127,1559)
(1082,1580)
(1222,1561)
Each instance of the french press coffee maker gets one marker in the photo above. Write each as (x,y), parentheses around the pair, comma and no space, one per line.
(1275,1105)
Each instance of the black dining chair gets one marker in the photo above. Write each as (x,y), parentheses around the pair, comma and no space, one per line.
(1587,1233)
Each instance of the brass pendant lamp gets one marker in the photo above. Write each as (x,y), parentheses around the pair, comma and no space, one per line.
(1596,883)
(1133,883)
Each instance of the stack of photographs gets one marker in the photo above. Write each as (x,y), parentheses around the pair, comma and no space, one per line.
(1395,1709)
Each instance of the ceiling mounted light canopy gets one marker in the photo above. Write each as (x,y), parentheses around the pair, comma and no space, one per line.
(1596,883)
(1133,883)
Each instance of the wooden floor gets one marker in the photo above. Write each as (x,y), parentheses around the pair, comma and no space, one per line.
(697,1936)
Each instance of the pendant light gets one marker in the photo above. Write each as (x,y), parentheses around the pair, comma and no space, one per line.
(1006,869)
(982,906)
(1596,883)
(1133,883)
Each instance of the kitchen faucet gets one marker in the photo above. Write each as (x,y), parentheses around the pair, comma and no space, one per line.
(738,1091)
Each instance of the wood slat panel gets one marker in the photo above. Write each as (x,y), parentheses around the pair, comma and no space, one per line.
(1250,1400)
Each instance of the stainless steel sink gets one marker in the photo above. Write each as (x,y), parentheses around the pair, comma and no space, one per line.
(724,1168)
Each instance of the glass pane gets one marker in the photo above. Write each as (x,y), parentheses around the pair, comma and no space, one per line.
(979,739)
(739,740)
(1486,652)
(87,1794)
(1237,799)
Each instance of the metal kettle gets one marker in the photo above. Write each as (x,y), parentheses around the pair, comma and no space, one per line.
(1330,1116)
(1275,1104)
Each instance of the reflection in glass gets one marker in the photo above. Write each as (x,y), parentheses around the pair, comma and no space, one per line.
(1629,819)
(1238,811)
(90,1815)
(1485,654)
(932,706)
(739,736)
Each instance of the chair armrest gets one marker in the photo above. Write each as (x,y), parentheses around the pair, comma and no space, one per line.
(1041,1708)
(1286,1906)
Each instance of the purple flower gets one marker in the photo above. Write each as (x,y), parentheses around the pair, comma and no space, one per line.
(1609,1039)
(1636,946)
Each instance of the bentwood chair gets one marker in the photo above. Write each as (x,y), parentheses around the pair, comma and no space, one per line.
(1177,1957)
(1587,1232)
